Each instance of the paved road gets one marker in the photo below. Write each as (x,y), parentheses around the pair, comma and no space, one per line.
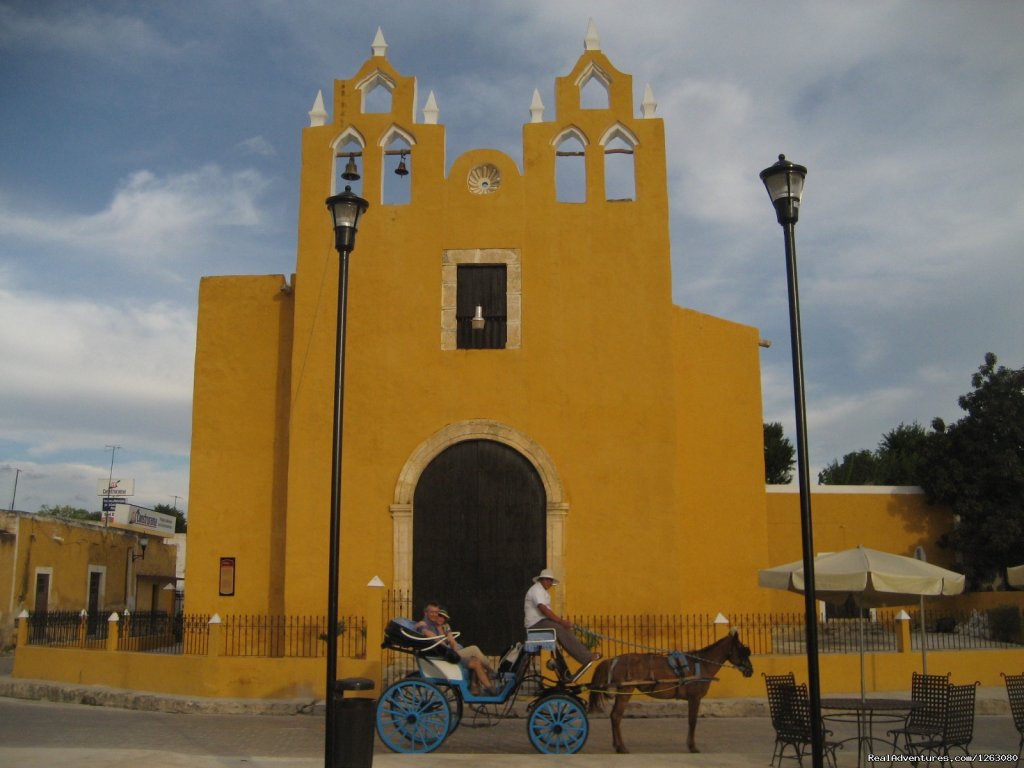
(40,734)
(45,734)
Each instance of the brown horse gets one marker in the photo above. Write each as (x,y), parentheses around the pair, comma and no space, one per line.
(665,676)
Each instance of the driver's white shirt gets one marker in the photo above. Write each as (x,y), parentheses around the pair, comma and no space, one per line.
(535,597)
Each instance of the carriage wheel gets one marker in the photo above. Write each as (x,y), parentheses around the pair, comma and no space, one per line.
(558,725)
(451,693)
(413,716)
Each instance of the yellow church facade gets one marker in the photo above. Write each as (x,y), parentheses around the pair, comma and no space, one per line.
(583,423)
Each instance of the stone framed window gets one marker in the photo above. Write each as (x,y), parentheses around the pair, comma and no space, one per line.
(506,258)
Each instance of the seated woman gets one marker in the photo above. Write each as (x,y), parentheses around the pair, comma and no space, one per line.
(435,624)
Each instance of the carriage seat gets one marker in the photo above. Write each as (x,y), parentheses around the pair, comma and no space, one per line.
(400,635)
(538,640)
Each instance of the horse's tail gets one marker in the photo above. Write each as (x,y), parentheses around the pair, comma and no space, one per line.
(599,685)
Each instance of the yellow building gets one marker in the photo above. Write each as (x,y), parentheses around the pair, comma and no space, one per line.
(48,564)
(590,426)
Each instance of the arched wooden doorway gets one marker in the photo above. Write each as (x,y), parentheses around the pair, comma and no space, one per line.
(478,538)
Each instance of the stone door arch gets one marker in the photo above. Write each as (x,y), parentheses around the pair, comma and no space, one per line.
(403,514)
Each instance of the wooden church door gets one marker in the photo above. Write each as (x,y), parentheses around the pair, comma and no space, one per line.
(479,536)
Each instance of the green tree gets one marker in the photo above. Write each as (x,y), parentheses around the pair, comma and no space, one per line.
(898,460)
(900,457)
(67,512)
(778,455)
(857,468)
(180,521)
(976,467)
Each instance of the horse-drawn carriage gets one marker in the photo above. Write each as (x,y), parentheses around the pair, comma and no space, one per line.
(417,713)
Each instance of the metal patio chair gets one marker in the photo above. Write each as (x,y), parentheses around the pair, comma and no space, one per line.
(790,709)
(1015,692)
(929,694)
(774,685)
(958,729)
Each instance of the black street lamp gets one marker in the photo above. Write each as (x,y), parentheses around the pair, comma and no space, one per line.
(345,208)
(785,184)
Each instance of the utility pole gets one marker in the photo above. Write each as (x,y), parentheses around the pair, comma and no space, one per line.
(113,450)
(14,495)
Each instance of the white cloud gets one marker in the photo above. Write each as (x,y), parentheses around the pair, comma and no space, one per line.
(82,373)
(153,223)
(257,145)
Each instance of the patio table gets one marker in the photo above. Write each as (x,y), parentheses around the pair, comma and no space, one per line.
(864,713)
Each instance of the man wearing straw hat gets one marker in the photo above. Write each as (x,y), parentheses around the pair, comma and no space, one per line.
(537,614)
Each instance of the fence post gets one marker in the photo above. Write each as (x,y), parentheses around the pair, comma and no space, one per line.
(903,632)
(82,626)
(215,639)
(113,631)
(721,626)
(374,631)
(22,628)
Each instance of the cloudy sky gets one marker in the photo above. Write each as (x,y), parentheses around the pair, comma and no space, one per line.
(143,145)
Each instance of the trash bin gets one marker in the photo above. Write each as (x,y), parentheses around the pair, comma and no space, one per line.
(353,724)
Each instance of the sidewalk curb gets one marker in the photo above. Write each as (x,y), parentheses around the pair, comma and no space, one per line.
(101,696)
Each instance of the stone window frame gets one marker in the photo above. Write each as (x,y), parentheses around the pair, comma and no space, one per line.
(450,261)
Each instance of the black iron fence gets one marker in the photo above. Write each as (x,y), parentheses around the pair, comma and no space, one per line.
(160,632)
(998,627)
(944,630)
(70,628)
(395,665)
(306,636)
(292,636)
(614,635)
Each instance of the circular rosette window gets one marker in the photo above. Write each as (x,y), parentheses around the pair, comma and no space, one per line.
(484,179)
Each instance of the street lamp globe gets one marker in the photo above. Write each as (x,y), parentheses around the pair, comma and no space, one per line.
(785,184)
(346,208)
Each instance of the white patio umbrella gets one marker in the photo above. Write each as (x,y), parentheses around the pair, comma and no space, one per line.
(870,577)
(1015,576)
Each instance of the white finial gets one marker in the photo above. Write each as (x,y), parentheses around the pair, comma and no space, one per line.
(380,48)
(720,619)
(536,108)
(648,106)
(430,111)
(318,115)
(376,581)
(592,42)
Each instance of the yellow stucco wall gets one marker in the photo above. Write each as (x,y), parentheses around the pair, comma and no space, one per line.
(302,679)
(891,519)
(720,464)
(240,443)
